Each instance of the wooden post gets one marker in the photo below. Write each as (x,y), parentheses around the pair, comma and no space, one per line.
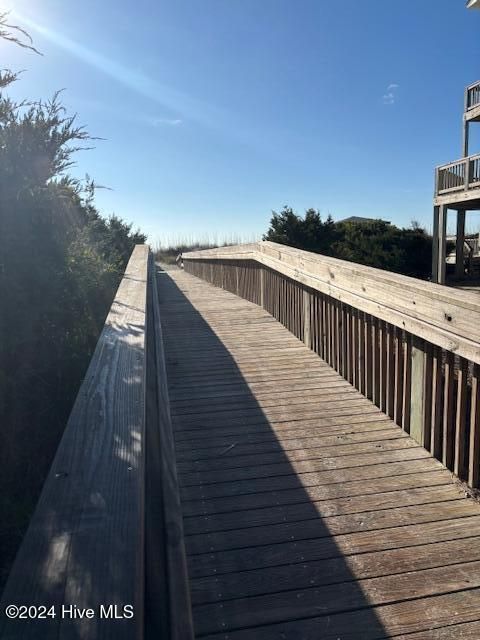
(474,455)
(442,243)
(466,125)
(468,174)
(459,466)
(306,317)
(459,268)
(436,213)
(417,390)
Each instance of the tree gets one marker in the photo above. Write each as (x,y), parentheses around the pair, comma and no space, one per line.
(308,233)
(60,264)
(14,33)
(17,35)
(376,244)
(385,246)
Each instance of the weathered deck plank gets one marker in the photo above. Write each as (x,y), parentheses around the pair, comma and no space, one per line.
(84,545)
(307,512)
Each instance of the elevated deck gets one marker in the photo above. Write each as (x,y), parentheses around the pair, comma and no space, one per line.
(307,512)
(458,184)
(472,103)
(457,187)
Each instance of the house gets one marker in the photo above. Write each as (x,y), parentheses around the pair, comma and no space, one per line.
(457,187)
(362,220)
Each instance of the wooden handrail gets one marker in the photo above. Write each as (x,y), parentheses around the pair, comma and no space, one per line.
(107,530)
(168,607)
(412,347)
(84,547)
(462,174)
(446,317)
(459,161)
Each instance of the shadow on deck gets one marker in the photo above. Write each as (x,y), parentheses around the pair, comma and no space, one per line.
(307,512)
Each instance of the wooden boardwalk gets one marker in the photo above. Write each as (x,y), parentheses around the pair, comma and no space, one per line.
(308,514)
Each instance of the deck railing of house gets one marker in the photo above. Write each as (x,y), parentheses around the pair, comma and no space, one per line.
(412,347)
(472,98)
(463,174)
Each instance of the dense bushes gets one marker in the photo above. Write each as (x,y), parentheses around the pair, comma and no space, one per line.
(60,264)
(376,243)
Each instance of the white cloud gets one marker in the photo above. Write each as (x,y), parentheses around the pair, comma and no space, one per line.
(390,94)
(172,122)
(120,113)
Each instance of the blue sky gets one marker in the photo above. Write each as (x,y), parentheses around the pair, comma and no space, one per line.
(216,112)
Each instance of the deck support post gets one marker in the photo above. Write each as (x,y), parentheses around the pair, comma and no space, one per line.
(442,243)
(466,125)
(418,391)
(436,213)
(306,318)
(459,269)
(237,279)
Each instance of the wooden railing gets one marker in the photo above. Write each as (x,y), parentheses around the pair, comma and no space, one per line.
(461,175)
(412,347)
(167,604)
(472,96)
(107,530)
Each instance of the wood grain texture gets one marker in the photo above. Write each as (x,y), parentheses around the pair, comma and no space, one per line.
(168,608)
(307,512)
(85,542)
(447,318)
(384,333)
(474,454)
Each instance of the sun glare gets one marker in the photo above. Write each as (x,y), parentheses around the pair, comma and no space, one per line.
(176,102)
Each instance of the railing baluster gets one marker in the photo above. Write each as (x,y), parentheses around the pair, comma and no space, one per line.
(368,357)
(407,383)
(383,366)
(319,320)
(361,355)
(411,379)
(398,346)
(435,444)
(428,394)
(348,345)
(345,353)
(376,363)
(314,324)
(354,332)
(326,320)
(336,336)
(390,372)
(459,467)
(474,452)
(448,411)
